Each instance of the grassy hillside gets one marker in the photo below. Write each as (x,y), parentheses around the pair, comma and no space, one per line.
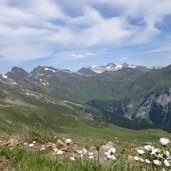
(65,122)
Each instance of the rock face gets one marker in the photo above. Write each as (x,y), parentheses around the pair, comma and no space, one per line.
(158,108)
(155,108)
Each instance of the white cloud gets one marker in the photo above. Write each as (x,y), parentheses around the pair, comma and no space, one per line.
(35,29)
(77,56)
(81,55)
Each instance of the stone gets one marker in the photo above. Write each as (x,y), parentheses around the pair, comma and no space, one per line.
(13,142)
(60,144)
(93,150)
(104,148)
(72,148)
(51,146)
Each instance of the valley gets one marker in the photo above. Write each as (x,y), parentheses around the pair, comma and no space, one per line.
(123,101)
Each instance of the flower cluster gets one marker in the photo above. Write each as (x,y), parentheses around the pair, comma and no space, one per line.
(66,148)
(157,156)
(110,154)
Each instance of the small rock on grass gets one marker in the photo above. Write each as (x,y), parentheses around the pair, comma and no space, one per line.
(13,142)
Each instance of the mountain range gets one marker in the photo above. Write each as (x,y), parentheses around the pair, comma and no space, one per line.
(126,95)
(110,67)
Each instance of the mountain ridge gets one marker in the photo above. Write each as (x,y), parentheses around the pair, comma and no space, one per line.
(111,67)
(128,95)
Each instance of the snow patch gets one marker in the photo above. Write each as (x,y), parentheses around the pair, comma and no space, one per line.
(4,76)
(119,67)
(48,69)
(132,66)
(44,82)
(13,83)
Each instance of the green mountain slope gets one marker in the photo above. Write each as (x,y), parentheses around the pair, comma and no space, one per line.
(70,103)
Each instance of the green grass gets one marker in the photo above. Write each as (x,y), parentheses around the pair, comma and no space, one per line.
(69,124)
(25,160)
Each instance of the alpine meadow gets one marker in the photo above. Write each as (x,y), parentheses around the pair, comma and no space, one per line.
(85,85)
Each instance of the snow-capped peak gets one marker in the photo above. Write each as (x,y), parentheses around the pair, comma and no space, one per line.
(108,67)
(114,67)
(132,66)
(97,69)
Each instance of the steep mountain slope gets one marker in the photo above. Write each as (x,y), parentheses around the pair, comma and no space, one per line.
(149,98)
(79,87)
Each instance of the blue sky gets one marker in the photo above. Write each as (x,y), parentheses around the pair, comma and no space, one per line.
(75,33)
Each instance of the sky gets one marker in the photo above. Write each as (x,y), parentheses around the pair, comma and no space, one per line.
(72,34)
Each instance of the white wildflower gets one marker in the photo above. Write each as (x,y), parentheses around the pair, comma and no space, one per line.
(91,157)
(84,151)
(31,145)
(147,161)
(68,141)
(59,152)
(164,141)
(42,149)
(141,159)
(90,153)
(167,153)
(79,151)
(157,162)
(148,147)
(106,153)
(159,156)
(167,163)
(155,150)
(113,157)
(140,151)
(55,150)
(72,158)
(136,158)
(109,156)
(112,150)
